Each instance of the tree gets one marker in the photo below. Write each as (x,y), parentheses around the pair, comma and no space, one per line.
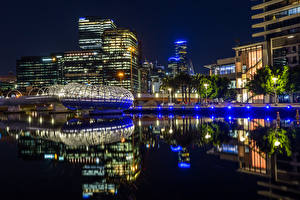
(262,82)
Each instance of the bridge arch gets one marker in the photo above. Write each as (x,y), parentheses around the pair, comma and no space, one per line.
(32,90)
(14,91)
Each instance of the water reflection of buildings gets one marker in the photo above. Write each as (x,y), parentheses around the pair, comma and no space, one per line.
(279,174)
(106,150)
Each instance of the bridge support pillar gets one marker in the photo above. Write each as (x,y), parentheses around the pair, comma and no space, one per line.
(14,109)
(57,107)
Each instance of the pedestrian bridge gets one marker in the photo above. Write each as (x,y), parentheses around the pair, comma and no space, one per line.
(76,96)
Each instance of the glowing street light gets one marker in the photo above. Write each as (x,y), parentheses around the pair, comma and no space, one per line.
(207,136)
(275,88)
(170,94)
(206,86)
(131,50)
(121,76)
(277,143)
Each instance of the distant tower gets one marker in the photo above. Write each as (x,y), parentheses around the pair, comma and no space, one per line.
(91,30)
(179,63)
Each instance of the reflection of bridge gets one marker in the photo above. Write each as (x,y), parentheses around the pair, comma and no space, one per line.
(77,133)
(75,97)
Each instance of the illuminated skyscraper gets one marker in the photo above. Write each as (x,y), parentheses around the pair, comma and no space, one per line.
(91,30)
(120,58)
(180,62)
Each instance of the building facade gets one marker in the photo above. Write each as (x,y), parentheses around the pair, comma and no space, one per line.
(37,71)
(81,67)
(248,59)
(7,83)
(278,22)
(121,59)
(91,30)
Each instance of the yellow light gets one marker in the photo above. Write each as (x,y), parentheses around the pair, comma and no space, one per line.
(156,95)
(131,49)
(122,139)
(53,59)
(55,156)
(121,74)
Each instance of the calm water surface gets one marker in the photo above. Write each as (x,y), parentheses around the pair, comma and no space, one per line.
(64,156)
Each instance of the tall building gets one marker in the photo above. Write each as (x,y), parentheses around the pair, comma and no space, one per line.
(37,71)
(81,67)
(91,30)
(180,62)
(278,22)
(120,58)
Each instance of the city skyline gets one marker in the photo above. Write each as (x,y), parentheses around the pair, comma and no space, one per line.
(57,33)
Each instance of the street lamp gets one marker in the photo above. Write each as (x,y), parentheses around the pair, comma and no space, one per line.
(206,86)
(170,90)
(131,50)
(275,88)
(121,76)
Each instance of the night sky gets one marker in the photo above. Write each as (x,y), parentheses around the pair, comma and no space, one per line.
(43,27)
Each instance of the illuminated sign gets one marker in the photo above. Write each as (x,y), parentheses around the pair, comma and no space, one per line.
(49,156)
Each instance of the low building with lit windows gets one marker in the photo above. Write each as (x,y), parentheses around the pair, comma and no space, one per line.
(37,71)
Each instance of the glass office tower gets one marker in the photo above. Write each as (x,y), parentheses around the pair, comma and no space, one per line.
(91,30)
(81,67)
(37,71)
(121,58)
(278,21)
(180,62)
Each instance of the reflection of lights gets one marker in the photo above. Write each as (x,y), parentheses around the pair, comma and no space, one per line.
(248,118)
(248,107)
(52,121)
(171,107)
(184,165)
(159,107)
(176,149)
(97,160)
(197,116)
(41,120)
(207,136)
(277,143)
(230,118)
(242,139)
(289,107)
(29,119)
(157,122)
(140,123)
(267,106)
(196,107)
(212,107)
(268,119)
(212,117)
(171,131)
(156,95)
(159,116)
(171,116)
(148,146)
(229,107)
(122,139)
